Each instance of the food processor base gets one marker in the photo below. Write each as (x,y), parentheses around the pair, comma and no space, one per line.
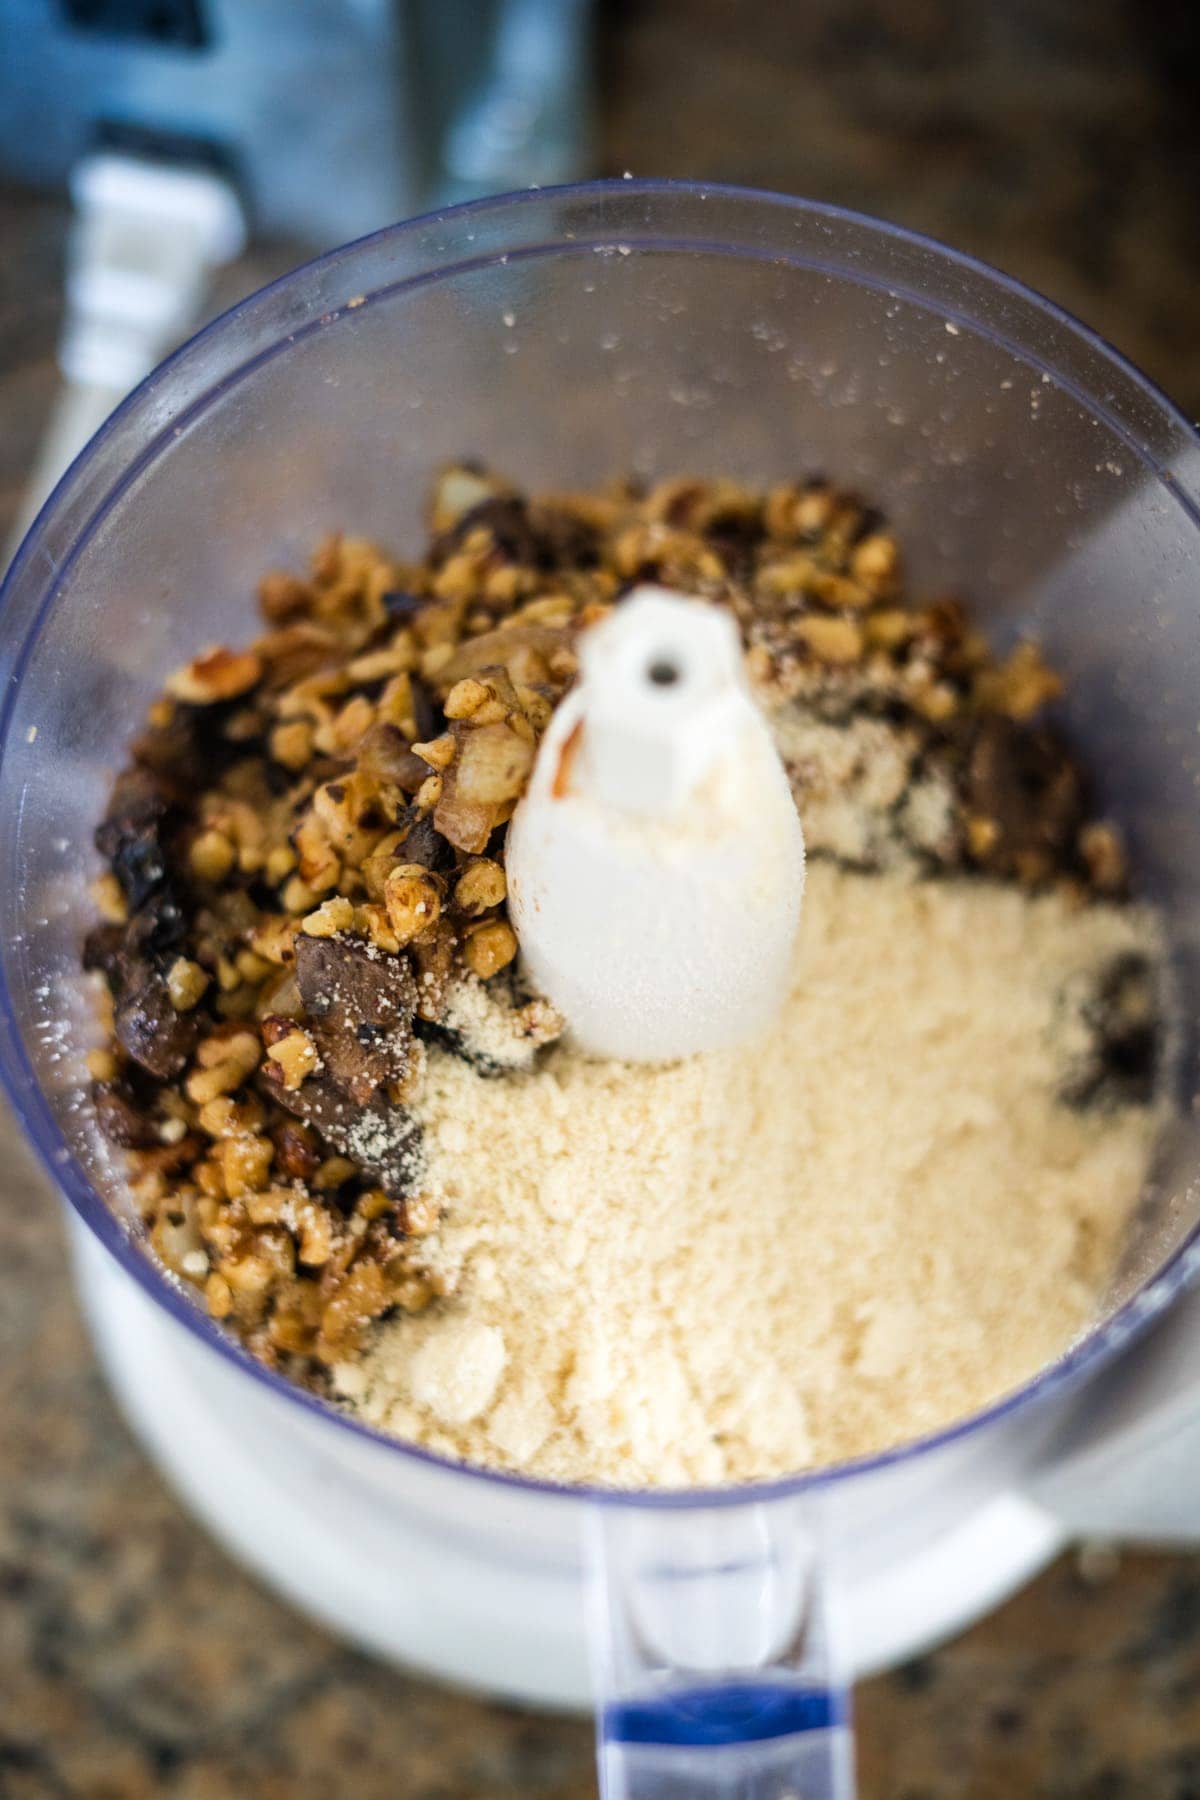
(300,1545)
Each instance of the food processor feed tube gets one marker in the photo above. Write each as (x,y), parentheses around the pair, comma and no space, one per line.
(659,838)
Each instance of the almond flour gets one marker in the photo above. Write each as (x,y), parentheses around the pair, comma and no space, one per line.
(744,1264)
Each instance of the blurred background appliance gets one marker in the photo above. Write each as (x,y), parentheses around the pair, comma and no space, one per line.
(330,117)
(181,125)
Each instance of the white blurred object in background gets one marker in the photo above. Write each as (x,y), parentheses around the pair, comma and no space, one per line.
(182,125)
(145,242)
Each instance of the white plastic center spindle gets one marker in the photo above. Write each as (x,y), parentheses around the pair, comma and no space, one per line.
(656,864)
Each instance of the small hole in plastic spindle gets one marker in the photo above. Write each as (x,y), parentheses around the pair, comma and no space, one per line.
(664,671)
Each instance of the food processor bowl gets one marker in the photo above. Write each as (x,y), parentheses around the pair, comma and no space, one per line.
(562,336)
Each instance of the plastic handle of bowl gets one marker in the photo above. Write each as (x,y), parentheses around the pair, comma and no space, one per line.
(714,1655)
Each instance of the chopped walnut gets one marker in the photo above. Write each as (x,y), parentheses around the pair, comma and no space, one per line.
(108,896)
(292,743)
(212,856)
(1104,854)
(832,640)
(490,947)
(217,675)
(296,1057)
(330,917)
(1019,687)
(282,596)
(439,754)
(481,886)
(186,984)
(465,698)
(493,763)
(245,1164)
(413,897)
(876,563)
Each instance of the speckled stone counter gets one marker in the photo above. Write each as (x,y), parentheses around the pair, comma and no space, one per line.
(135,1659)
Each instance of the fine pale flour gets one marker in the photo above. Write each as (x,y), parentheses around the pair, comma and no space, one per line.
(747,1263)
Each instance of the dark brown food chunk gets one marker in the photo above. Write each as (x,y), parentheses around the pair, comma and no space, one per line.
(427,714)
(1022,782)
(510,526)
(296,1151)
(566,541)
(380,1137)
(422,842)
(360,1003)
(145,1023)
(386,757)
(1122,1016)
(124,1122)
(400,605)
(131,836)
(102,950)
(148,1028)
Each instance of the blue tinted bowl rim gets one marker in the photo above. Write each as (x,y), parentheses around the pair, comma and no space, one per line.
(16,1071)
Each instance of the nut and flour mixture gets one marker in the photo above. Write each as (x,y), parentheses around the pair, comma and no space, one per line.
(750,1261)
(355,1128)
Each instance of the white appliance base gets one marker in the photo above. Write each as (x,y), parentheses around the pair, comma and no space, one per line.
(903,1608)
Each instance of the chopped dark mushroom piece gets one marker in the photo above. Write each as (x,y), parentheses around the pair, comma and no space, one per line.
(379,1137)
(148,1028)
(1121,1018)
(360,1003)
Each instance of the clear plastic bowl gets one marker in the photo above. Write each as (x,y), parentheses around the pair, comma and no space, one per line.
(562,336)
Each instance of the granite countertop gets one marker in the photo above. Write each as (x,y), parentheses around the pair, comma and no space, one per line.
(135,1658)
